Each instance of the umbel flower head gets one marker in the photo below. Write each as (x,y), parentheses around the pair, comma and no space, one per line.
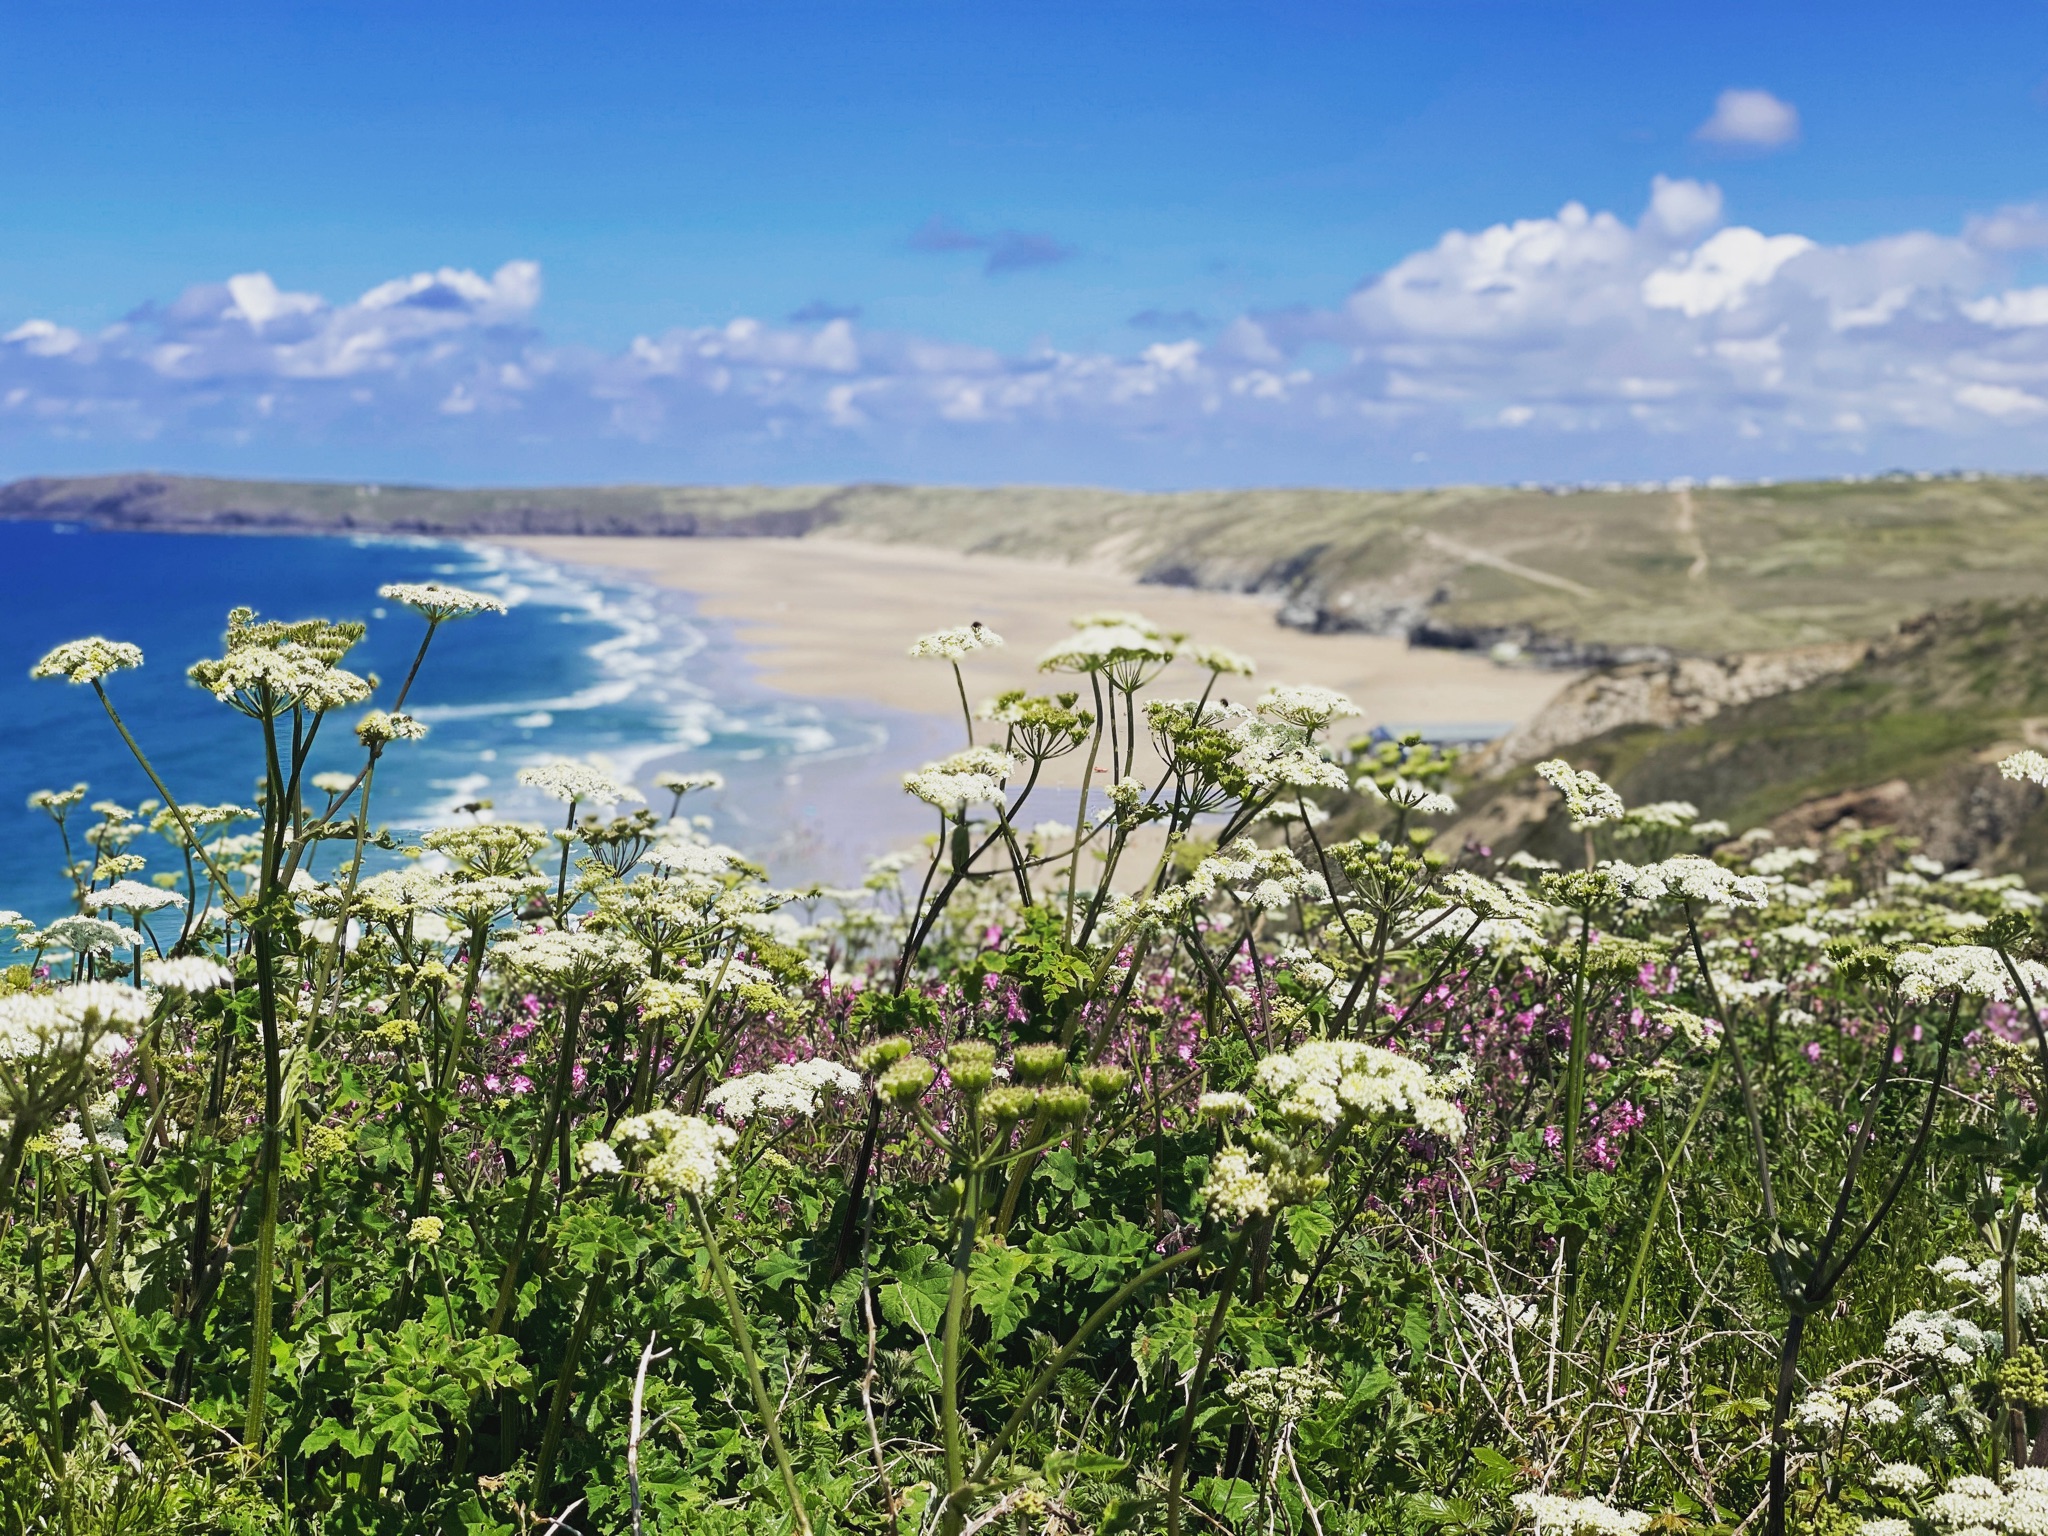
(572,782)
(952,644)
(437,602)
(133,896)
(794,1089)
(1587,798)
(77,1020)
(88,660)
(568,962)
(378,728)
(272,668)
(686,1154)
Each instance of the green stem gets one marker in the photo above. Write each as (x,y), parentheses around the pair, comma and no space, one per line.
(949,1365)
(558,1404)
(1195,1385)
(543,1136)
(745,1340)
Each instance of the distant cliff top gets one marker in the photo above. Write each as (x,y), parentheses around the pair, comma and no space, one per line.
(1565,578)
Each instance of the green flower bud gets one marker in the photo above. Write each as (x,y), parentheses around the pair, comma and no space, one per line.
(1007,1104)
(1038,1063)
(1062,1104)
(1104,1083)
(906,1081)
(882,1055)
(971,1064)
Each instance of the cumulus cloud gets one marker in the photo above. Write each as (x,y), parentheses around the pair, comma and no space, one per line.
(1574,345)
(1750,120)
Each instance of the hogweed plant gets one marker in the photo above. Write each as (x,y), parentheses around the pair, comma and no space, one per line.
(1215,1146)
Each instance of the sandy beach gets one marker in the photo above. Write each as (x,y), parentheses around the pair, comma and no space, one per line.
(831,618)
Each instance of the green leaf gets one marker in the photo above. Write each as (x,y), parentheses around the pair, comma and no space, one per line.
(1307,1230)
(997,1284)
(1230,1498)
(915,1293)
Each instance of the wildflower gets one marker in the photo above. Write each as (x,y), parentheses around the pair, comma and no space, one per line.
(1408,795)
(1223,1106)
(572,962)
(1334,1082)
(2029,766)
(1235,1189)
(438,602)
(1283,1392)
(326,1144)
(1822,1412)
(1587,799)
(793,1089)
(1885,1525)
(1937,1336)
(190,974)
(688,1152)
(1221,660)
(1688,877)
(952,644)
(133,896)
(1881,1411)
(882,1054)
(572,782)
(426,1231)
(85,935)
(1900,1477)
(378,729)
(952,793)
(87,661)
(1120,646)
(1967,1501)
(683,783)
(905,1082)
(1305,708)
(598,1159)
(1554,1513)
(1972,969)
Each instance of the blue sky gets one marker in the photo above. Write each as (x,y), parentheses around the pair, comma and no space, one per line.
(1153,245)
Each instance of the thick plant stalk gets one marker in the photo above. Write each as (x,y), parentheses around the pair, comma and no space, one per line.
(1178,1475)
(745,1339)
(558,1405)
(949,1364)
(543,1136)
(266,1230)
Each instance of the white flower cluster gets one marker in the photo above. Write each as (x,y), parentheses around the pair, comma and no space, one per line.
(952,644)
(190,974)
(1820,1413)
(598,1159)
(683,783)
(572,782)
(1334,1082)
(263,680)
(1937,1336)
(1688,877)
(84,935)
(438,601)
(1968,1501)
(83,1018)
(1305,707)
(133,896)
(1515,1312)
(1554,1513)
(686,1154)
(1269,878)
(972,777)
(1108,640)
(1284,1392)
(1274,756)
(2029,766)
(1587,798)
(1408,795)
(1972,969)
(1236,1190)
(88,660)
(793,1089)
(1983,1282)
(570,961)
(1900,1477)
(1221,660)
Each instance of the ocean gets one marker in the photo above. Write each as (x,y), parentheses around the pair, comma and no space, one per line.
(585,664)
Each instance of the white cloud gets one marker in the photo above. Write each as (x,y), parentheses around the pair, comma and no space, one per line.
(1751,119)
(1578,345)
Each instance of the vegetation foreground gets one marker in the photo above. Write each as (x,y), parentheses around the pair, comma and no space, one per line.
(1222,1156)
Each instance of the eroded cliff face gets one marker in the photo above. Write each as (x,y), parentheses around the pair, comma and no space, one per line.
(1665,694)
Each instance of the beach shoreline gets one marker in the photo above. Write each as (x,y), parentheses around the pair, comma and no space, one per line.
(827,618)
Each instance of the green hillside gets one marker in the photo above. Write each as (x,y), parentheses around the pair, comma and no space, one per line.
(1581,576)
(1908,738)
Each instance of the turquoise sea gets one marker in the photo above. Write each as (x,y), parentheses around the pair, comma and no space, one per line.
(584,664)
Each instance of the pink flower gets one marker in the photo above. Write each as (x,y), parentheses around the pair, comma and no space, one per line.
(1813,1051)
